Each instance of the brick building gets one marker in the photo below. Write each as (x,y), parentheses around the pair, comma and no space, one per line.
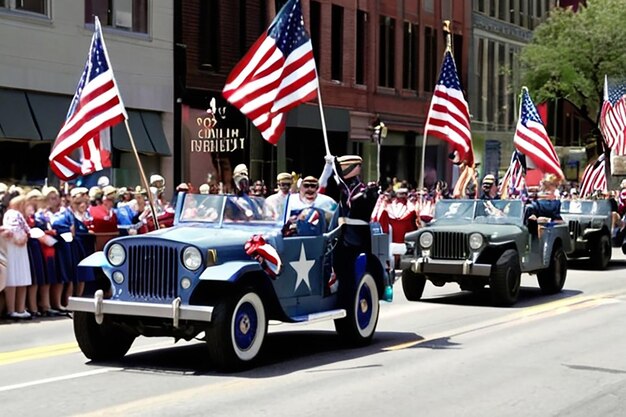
(374,58)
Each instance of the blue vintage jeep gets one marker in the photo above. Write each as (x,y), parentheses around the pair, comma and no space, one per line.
(197,278)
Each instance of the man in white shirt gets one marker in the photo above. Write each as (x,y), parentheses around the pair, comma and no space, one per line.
(275,203)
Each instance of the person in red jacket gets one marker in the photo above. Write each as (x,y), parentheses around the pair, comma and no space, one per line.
(104,223)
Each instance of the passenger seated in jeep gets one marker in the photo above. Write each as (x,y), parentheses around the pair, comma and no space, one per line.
(546,208)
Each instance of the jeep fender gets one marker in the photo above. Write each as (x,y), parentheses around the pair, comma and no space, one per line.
(370,263)
(230,271)
(494,250)
(98,260)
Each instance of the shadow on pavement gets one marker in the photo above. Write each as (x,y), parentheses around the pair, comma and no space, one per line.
(284,352)
(528,297)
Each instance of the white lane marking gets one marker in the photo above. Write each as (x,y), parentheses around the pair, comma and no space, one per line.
(58,378)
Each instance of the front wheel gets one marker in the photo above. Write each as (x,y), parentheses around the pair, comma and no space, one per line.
(601,252)
(100,342)
(236,335)
(413,285)
(552,279)
(505,279)
(359,325)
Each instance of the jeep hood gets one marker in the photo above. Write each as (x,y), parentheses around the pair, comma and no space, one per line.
(495,232)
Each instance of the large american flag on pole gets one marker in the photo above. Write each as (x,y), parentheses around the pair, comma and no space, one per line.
(532,140)
(613,117)
(514,180)
(594,177)
(97,105)
(276,74)
(448,117)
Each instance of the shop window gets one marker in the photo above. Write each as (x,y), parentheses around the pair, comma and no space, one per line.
(209,34)
(431,58)
(336,62)
(315,24)
(386,56)
(39,7)
(361,41)
(410,68)
(127,15)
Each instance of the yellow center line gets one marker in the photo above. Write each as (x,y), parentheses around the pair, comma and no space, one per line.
(535,312)
(37,353)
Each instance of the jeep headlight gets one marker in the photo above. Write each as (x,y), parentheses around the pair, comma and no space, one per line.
(192,259)
(116,254)
(475,241)
(426,240)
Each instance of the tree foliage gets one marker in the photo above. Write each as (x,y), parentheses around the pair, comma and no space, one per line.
(570,54)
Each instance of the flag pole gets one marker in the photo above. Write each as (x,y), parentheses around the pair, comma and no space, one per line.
(142,174)
(323,121)
(446,29)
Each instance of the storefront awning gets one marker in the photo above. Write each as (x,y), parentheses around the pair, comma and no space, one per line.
(147,133)
(16,121)
(49,112)
(154,127)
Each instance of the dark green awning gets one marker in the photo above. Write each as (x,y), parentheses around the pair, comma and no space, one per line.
(49,112)
(121,140)
(154,127)
(15,116)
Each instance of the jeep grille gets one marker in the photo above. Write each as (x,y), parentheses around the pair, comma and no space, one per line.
(574,229)
(449,245)
(152,272)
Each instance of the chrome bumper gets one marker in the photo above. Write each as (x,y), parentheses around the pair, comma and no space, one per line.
(427,266)
(99,306)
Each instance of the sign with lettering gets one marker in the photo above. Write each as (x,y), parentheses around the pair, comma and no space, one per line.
(214,141)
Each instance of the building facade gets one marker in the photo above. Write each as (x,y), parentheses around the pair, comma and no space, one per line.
(375,60)
(500,29)
(43,49)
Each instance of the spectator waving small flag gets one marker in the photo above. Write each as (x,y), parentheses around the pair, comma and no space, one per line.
(97,105)
(276,74)
(514,181)
(532,140)
(594,177)
(448,116)
(613,117)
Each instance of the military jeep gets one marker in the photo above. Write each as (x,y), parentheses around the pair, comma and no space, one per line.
(589,224)
(478,243)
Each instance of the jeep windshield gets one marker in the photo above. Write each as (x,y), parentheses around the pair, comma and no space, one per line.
(479,211)
(218,209)
(589,207)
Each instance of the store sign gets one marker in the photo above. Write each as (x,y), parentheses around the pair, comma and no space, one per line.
(213,133)
(214,140)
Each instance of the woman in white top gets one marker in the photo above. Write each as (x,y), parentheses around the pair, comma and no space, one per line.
(18,268)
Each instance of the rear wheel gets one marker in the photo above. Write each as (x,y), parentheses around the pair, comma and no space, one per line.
(100,342)
(552,279)
(413,285)
(600,255)
(505,279)
(359,325)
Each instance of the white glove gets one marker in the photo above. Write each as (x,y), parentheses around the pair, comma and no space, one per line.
(330,159)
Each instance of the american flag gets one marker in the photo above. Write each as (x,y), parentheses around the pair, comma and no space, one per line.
(276,74)
(594,177)
(514,181)
(613,117)
(97,105)
(448,117)
(532,140)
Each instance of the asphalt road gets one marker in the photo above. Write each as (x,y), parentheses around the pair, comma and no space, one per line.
(451,354)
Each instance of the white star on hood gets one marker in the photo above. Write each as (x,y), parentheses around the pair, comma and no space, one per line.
(302,268)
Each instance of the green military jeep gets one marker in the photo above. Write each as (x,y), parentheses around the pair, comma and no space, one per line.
(589,224)
(476,243)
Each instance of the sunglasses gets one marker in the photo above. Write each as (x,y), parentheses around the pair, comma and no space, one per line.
(284,184)
(309,185)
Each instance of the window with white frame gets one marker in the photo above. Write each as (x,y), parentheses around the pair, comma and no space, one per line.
(129,15)
(39,7)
